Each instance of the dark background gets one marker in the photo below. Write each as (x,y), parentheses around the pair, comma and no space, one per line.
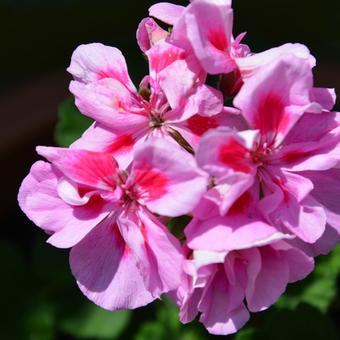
(37,38)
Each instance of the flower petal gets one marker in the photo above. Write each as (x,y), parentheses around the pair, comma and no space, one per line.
(166,12)
(209,28)
(93,169)
(272,106)
(39,199)
(106,270)
(109,102)
(167,177)
(96,61)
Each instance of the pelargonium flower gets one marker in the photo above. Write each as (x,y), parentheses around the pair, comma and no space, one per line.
(122,256)
(172,101)
(272,154)
(260,180)
(204,29)
(218,283)
(235,258)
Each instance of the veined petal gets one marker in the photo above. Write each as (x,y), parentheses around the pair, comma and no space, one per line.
(251,64)
(272,106)
(326,192)
(232,232)
(177,82)
(271,280)
(101,139)
(96,61)
(325,97)
(106,270)
(223,311)
(166,12)
(39,199)
(209,28)
(93,169)
(109,102)
(224,152)
(162,55)
(167,178)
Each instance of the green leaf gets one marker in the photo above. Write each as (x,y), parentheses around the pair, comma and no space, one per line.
(166,325)
(71,123)
(94,322)
(245,334)
(40,321)
(177,225)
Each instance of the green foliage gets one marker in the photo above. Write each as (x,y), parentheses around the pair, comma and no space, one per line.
(94,322)
(167,326)
(71,123)
(177,225)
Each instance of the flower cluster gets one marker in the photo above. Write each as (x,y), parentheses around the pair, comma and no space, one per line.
(259,178)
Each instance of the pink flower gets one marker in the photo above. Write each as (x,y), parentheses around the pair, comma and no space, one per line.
(171,102)
(233,259)
(271,154)
(262,188)
(218,283)
(122,256)
(204,29)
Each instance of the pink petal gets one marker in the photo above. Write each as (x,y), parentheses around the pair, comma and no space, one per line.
(205,102)
(106,270)
(177,82)
(38,198)
(166,252)
(167,178)
(157,252)
(265,287)
(162,55)
(325,97)
(166,12)
(96,61)
(300,265)
(109,102)
(233,232)
(223,311)
(315,149)
(251,64)
(305,219)
(149,33)
(100,139)
(272,106)
(94,169)
(326,192)
(209,27)
(222,151)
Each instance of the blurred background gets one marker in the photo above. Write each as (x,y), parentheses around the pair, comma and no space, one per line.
(39,299)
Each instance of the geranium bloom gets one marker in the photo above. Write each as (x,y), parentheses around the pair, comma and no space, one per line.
(260,180)
(235,258)
(218,283)
(272,155)
(205,28)
(173,102)
(122,256)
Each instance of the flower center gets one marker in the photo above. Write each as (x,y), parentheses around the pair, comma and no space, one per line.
(260,155)
(156,120)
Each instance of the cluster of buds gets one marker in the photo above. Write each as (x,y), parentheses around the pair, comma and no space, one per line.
(258,180)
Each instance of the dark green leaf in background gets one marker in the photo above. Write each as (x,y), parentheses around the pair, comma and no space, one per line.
(71,123)
(96,323)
